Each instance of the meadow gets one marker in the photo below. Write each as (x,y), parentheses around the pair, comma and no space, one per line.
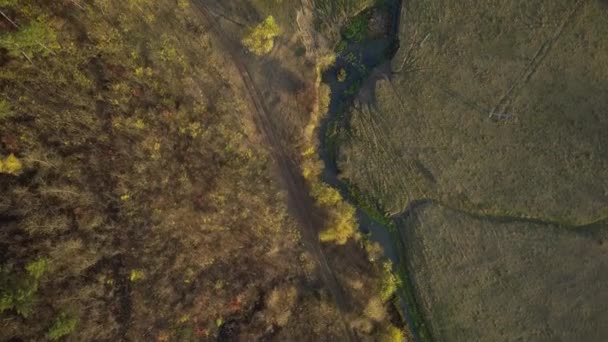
(487,280)
(485,139)
(496,108)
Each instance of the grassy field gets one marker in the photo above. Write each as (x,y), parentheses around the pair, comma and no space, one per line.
(497,107)
(480,280)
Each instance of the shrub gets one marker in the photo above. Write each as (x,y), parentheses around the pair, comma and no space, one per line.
(394,334)
(260,40)
(324,98)
(389,281)
(136,275)
(375,310)
(341,224)
(332,11)
(36,38)
(356,28)
(11,165)
(37,268)
(17,291)
(325,194)
(64,325)
(341,46)
(341,75)
(5,110)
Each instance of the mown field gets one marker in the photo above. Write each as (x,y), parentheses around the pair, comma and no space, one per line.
(483,280)
(538,67)
(496,109)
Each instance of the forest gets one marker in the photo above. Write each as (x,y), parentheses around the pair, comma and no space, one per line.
(142,200)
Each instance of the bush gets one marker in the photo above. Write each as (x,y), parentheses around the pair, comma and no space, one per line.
(342,224)
(64,325)
(375,310)
(17,291)
(324,98)
(37,268)
(11,165)
(394,334)
(355,30)
(260,40)
(342,75)
(389,281)
(5,110)
(136,275)
(325,195)
(36,38)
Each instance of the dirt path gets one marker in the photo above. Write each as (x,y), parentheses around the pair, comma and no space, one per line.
(299,199)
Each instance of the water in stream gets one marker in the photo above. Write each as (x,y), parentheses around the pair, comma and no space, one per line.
(362,61)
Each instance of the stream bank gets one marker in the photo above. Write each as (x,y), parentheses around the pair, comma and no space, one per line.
(362,56)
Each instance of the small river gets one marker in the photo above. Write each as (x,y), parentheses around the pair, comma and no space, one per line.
(364,60)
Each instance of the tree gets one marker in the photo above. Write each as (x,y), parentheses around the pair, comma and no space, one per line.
(260,39)
(35,38)
(64,325)
(11,164)
(341,224)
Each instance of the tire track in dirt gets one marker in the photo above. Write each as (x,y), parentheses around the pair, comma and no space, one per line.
(539,57)
(297,190)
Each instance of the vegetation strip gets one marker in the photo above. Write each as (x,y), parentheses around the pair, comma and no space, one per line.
(344,191)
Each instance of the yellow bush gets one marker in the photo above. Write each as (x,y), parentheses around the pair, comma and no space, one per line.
(394,334)
(260,39)
(324,98)
(325,195)
(11,164)
(375,310)
(341,224)
(311,169)
(137,275)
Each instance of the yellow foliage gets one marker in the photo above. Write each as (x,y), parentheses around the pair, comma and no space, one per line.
(11,165)
(323,63)
(375,310)
(136,275)
(183,4)
(139,124)
(341,224)
(309,151)
(389,281)
(325,195)
(324,98)
(394,334)
(311,169)
(260,39)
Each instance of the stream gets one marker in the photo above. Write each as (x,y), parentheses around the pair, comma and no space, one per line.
(362,61)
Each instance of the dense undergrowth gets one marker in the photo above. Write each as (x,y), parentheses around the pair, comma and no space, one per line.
(138,201)
(127,168)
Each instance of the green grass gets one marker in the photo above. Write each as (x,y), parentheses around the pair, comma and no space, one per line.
(334,14)
(430,135)
(356,27)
